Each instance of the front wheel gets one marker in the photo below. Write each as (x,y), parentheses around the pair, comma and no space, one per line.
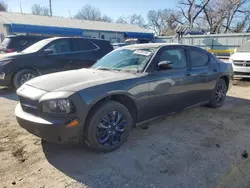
(219,94)
(108,127)
(23,76)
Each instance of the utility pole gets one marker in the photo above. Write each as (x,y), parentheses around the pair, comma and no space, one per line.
(50,7)
(70,15)
(21,9)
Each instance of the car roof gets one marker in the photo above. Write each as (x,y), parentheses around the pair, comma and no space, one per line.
(25,36)
(155,45)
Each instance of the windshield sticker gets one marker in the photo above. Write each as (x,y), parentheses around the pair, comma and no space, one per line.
(142,52)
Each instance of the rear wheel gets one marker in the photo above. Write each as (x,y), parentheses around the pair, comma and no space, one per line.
(219,94)
(23,76)
(108,126)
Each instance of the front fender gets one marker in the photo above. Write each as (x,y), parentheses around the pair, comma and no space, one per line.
(92,98)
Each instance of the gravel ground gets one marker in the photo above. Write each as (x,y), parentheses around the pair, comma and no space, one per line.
(200,147)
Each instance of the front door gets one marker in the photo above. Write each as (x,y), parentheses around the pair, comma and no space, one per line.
(169,90)
(59,60)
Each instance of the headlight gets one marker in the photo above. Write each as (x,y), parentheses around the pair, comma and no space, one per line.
(57,106)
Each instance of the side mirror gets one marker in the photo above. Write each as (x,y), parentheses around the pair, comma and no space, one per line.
(163,65)
(47,51)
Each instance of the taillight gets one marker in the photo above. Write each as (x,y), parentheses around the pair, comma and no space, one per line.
(10,50)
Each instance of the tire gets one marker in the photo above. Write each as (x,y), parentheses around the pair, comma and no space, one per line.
(218,94)
(19,80)
(102,139)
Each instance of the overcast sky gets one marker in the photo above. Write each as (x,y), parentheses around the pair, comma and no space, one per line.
(109,7)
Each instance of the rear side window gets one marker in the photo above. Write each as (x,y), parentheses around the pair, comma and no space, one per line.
(82,45)
(198,58)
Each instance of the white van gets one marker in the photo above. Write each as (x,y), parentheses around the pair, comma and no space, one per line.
(241,61)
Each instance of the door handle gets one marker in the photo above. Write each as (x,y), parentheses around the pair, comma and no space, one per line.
(188,74)
(215,70)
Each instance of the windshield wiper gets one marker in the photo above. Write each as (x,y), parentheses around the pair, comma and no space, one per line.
(108,69)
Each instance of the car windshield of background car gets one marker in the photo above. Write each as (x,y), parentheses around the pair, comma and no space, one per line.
(37,46)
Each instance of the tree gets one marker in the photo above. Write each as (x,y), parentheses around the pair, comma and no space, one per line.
(234,10)
(215,14)
(89,12)
(230,15)
(39,10)
(134,19)
(3,6)
(162,22)
(191,9)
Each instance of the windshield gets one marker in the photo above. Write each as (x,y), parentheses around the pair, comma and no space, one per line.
(244,48)
(37,46)
(126,59)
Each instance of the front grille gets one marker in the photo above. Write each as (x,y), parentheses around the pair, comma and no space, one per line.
(28,105)
(242,63)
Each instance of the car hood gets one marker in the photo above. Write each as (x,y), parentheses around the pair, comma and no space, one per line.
(13,55)
(241,56)
(76,80)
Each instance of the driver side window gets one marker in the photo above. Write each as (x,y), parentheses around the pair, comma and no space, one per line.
(176,56)
(60,46)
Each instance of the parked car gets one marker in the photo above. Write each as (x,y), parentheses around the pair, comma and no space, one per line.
(13,43)
(137,41)
(130,85)
(118,45)
(241,61)
(48,56)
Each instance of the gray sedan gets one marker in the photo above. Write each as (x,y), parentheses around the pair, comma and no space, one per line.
(130,85)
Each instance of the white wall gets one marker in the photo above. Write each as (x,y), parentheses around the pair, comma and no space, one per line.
(218,41)
(110,36)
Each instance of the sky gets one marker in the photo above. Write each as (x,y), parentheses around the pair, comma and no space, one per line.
(110,8)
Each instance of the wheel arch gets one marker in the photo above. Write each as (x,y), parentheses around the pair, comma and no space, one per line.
(123,98)
(16,70)
(226,78)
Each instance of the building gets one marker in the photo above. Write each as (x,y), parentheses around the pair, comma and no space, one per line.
(16,23)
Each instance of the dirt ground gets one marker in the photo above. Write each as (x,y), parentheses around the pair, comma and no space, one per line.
(200,147)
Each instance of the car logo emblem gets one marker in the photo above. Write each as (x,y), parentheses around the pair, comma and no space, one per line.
(244,64)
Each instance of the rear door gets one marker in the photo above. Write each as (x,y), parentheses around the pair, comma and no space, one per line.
(204,72)
(84,53)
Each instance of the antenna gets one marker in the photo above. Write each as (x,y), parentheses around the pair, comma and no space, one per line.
(50,7)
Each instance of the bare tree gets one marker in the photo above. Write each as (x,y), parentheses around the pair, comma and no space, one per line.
(234,10)
(215,14)
(89,12)
(40,10)
(191,9)
(134,19)
(163,22)
(3,6)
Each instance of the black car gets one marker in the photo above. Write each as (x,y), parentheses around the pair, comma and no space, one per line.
(130,85)
(13,43)
(48,56)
